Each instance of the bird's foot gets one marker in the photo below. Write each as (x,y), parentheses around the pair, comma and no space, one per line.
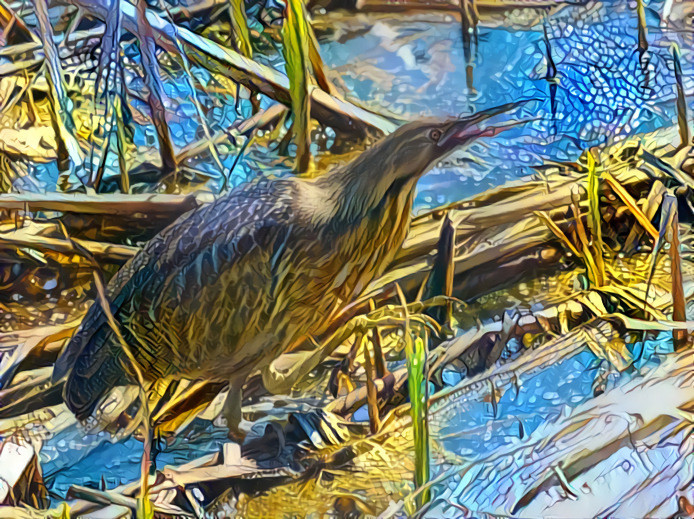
(235,432)
(231,414)
(236,435)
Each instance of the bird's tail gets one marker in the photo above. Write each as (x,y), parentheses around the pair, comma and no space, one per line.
(94,367)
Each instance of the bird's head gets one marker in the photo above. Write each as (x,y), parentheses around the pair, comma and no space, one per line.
(391,167)
(412,149)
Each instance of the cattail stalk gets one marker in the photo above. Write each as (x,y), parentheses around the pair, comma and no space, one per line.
(440,280)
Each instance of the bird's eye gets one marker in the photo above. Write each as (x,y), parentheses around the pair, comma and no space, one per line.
(435,135)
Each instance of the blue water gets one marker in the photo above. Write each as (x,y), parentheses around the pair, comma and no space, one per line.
(475,431)
(602,95)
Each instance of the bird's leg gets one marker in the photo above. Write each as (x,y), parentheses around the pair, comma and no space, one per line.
(231,412)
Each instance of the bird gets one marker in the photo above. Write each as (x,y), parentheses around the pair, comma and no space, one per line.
(229,286)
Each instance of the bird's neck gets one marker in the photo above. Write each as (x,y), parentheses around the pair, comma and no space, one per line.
(363,188)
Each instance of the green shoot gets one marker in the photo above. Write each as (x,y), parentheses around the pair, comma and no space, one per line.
(416,352)
(416,384)
(239,25)
(594,218)
(296,54)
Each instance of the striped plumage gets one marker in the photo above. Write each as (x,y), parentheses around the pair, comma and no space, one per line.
(229,286)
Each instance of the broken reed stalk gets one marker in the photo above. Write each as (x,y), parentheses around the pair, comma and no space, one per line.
(681,99)
(110,85)
(679,304)
(416,353)
(595,275)
(296,54)
(332,111)
(641,15)
(379,357)
(108,122)
(594,218)
(155,95)
(119,101)
(440,280)
(371,392)
(69,154)
(190,80)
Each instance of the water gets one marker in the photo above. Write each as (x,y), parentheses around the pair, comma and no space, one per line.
(475,434)
(418,68)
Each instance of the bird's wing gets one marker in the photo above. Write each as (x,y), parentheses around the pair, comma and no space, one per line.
(177,277)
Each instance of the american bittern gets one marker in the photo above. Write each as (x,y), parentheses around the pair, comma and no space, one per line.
(229,286)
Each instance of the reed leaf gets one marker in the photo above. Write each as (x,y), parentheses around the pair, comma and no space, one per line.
(592,270)
(63,511)
(629,201)
(318,65)
(239,25)
(417,381)
(552,226)
(295,39)
(145,509)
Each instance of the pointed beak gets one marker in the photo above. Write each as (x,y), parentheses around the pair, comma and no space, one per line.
(467,129)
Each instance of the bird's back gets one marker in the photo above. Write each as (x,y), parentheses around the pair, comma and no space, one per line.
(204,280)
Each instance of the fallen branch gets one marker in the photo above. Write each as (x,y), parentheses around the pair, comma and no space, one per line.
(108,204)
(102,252)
